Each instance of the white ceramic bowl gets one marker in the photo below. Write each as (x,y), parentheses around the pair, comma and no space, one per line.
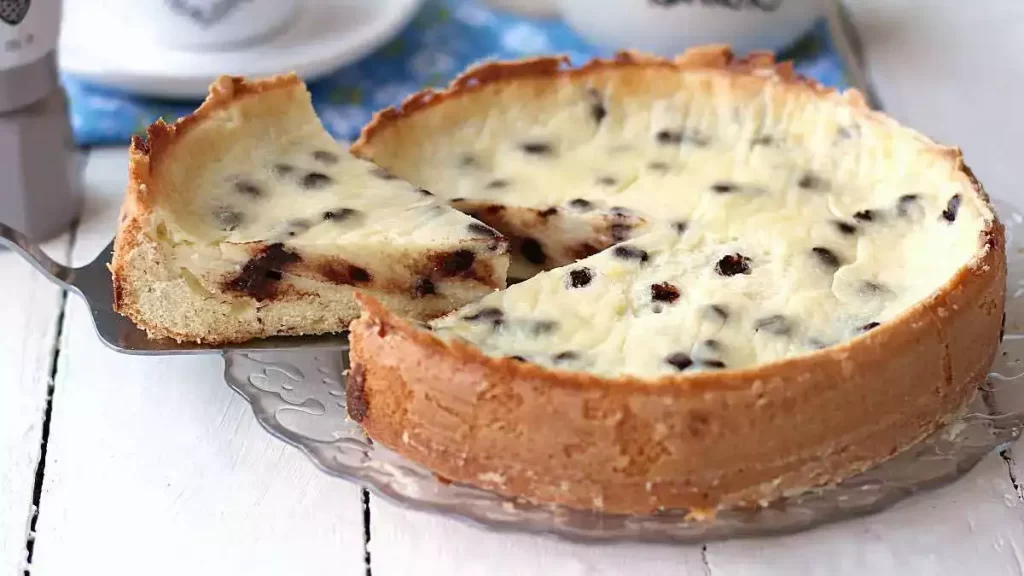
(667,27)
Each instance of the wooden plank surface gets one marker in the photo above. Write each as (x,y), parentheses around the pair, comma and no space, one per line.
(975,526)
(29,309)
(155,467)
(406,542)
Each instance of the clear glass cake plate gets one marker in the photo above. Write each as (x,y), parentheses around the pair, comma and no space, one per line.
(299,396)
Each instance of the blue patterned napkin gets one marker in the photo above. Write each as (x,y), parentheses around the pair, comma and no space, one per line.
(446,37)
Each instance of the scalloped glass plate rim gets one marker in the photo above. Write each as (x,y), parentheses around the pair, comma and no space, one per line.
(993,419)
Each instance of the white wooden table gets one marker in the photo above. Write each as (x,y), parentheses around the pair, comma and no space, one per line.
(120,465)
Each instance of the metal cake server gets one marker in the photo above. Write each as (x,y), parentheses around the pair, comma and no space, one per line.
(92,282)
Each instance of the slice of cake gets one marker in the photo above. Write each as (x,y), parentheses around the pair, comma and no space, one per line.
(801,287)
(247,220)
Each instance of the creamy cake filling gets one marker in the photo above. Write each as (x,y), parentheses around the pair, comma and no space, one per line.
(753,223)
(319,216)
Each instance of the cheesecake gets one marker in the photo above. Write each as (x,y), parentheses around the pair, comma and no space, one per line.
(737,284)
(247,220)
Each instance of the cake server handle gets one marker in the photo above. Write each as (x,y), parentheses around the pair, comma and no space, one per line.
(54,271)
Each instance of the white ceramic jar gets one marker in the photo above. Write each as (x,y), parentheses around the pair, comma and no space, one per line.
(667,27)
(197,25)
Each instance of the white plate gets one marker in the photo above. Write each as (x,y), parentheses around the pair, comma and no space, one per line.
(325,35)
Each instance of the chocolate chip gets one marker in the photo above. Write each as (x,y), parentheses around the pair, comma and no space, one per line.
(548,212)
(762,140)
(625,252)
(382,173)
(497,184)
(581,204)
(315,180)
(247,188)
(597,110)
(680,226)
(297,226)
(424,192)
(542,327)
(620,231)
(467,161)
(664,292)
(811,181)
(488,314)
(457,262)
(679,360)
(620,212)
(482,230)
(325,157)
(724,188)
(532,251)
(567,356)
(282,169)
(339,214)
(952,207)
(607,181)
(358,274)
(424,287)
(259,276)
(717,364)
(869,288)
(658,166)
(712,344)
(869,326)
(776,324)
(844,228)
(718,311)
(905,202)
(733,264)
(678,137)
(537,148)
(457,199)
(517,358)
(579,277)
(669,137)
(826,257)
(816,344)
(848,132)
(227,219)
(865,215)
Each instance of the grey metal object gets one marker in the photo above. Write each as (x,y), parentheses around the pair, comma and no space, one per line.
(847,42)
(93,283)
(41,192)
(300,398)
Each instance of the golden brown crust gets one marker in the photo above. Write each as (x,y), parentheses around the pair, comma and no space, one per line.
(631,445)
(699,441)
(713,57)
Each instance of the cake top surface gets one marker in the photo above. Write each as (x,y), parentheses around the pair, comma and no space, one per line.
(263,170)
(768,217)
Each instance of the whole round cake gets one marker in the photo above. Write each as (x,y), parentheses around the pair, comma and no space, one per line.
(748,284)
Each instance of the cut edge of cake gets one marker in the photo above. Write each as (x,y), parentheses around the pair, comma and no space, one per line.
(170,302)
(634,445)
